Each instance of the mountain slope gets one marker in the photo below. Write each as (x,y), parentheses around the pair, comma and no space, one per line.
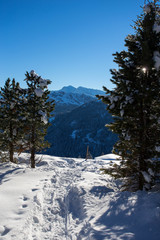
(72,132)
(79,122)
(82,90)
(69,97)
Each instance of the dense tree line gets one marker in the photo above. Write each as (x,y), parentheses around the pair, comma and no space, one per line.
(24,115)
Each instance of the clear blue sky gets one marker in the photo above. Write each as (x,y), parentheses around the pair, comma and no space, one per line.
(70,42)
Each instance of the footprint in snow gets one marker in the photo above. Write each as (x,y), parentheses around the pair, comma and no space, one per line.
(36,200)
(35,219)
(53,180)
(25,198)
(44,180)
(34,189)
(24,205)
(4,230)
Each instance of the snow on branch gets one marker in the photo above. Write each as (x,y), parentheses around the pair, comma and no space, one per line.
(156,28)
(43,116)
(156,58)
(146,176)
(147,7)
(33,73)
(44,82)
(38,92)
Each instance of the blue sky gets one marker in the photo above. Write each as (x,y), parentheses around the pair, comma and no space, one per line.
(70,42)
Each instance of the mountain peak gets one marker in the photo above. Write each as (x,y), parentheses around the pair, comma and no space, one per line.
(69,89)
(82,90)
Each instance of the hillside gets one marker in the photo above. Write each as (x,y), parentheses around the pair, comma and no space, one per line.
(79,122)
(69,199)
(72,132)
(69,98)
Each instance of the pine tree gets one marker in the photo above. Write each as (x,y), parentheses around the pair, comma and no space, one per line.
(38,110)
(10,118)
(135,103)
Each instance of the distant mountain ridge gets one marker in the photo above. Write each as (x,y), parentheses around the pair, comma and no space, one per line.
(82,90)
(77,96)
(69,97)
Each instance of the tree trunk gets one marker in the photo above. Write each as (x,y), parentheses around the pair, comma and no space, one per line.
(33,147)
(32,157)
(11,152)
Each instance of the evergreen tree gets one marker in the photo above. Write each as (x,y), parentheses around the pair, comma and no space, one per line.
(38,110)
(10,116)
(135,103)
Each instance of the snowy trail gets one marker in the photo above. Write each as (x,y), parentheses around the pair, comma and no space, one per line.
(50,205)
(69,199)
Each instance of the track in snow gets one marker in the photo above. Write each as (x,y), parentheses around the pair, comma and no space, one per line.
(55,200)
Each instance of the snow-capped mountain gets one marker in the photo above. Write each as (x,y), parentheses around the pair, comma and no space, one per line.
(69,97)
(81,90)
(77,99)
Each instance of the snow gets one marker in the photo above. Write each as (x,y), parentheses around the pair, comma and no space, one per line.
(127,137)
(14,132)
(147,7)
(43,116)
(156,58)
(146,176)
(151,172)
(33,73)
(70,199)
(88,139)
(43,82)
(112,106)
(122,112)
(157,148)
(12,105)
(75,96)
(129,99)
(38,92)
(44,119)
(114,99)
(82,90)
(74,134)
(156,28)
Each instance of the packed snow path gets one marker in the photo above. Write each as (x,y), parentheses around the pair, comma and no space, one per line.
(69,199)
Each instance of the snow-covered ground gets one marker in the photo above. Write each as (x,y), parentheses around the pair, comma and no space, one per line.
(69,199)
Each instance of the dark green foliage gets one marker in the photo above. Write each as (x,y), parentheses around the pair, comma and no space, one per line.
(10,118)
(24,117)
(135,104)
(37,113)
